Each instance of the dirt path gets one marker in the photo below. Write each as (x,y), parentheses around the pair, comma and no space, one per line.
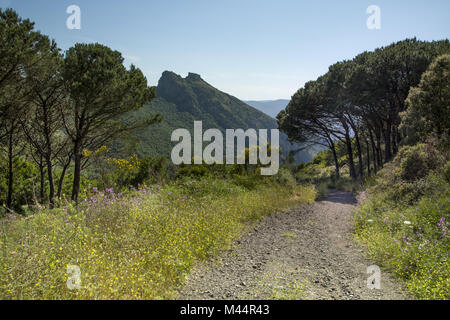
(304,253)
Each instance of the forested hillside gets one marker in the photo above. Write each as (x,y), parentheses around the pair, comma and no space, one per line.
(181,101)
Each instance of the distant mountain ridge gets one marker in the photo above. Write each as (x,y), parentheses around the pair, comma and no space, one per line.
(215,108)
(269,107)
(181,101)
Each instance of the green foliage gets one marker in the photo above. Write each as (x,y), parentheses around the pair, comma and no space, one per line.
(404,223)
(323,158)
(142,171)
(321,173)
(416,161)
(24,54)
(123,174)
(344,184)
(407,177)
(285,176)
(323,189)
(26,184)
(151,171)
(248,182)
(87,182)
(21,47)
(101,96)
(428,108)
(361,99)
(447,171)
(206,186)
(194,171)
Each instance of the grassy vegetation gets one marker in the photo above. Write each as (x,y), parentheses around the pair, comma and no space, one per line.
(320,172)
(404,220)
(138,245)
(282,284)
(404,223)
(290,290)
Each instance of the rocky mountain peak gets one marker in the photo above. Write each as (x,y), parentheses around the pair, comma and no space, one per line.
(193,77)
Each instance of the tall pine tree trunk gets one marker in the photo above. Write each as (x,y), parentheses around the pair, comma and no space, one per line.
(42,181)
(379,153)
(10,168)
(77,172)
(358,146)
(50,180)
(348,142)
(369,171)
(336,161)
(394,140)
(48,158)
(374,152)
(61,179)
(359,149)
(387,141)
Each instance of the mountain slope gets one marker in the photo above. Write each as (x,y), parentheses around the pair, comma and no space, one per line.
(181,101)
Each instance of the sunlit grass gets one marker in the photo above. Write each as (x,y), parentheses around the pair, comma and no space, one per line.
(138,246)
(290,235)
(410,237)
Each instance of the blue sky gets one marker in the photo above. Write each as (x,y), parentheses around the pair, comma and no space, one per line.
(252,49)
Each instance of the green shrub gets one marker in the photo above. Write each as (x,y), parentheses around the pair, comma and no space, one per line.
(416,161)
(404,222)
(248,182)
(322,190)
(193,171)
(285,176)
(26,183)
(447,171)
(133,172)
(204,187)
